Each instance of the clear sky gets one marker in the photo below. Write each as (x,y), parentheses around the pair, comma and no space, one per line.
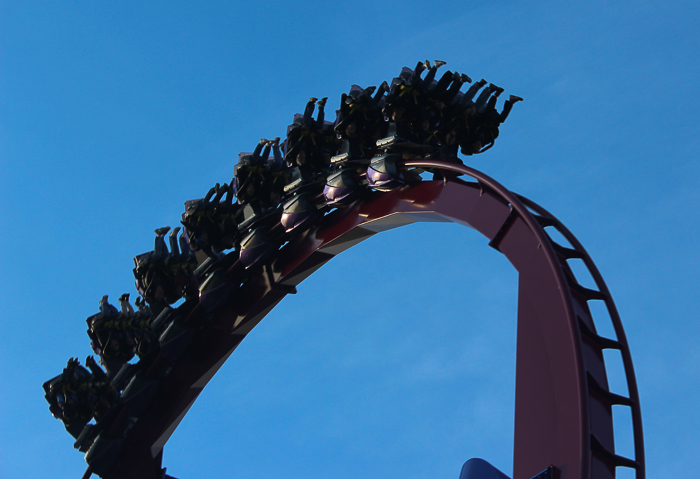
(397,358)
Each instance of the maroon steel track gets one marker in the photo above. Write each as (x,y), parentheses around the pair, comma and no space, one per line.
(563,406)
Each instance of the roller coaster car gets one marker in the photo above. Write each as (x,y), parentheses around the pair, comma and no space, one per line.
(259,239)
(145,335)
(163,282)
(301,204)
(384,175)
(300,212)
(77,395)
(342,187)
(256,248)
(68,402)
(112,338)
(346,184)
(211,234)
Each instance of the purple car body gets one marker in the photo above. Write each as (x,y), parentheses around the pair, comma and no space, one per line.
(341,188)
(382,173)
(298,213)
(256,248)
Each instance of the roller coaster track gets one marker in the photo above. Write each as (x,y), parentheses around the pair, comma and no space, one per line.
(563,404)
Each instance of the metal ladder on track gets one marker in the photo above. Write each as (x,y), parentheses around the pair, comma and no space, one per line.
(597,383)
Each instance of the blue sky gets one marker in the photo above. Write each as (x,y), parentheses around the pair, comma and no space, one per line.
(398,357)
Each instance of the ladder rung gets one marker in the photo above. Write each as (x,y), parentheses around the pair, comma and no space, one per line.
(545,221)
(611,457)
(587,293)
(612,398)
(604,343)
(567,253)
